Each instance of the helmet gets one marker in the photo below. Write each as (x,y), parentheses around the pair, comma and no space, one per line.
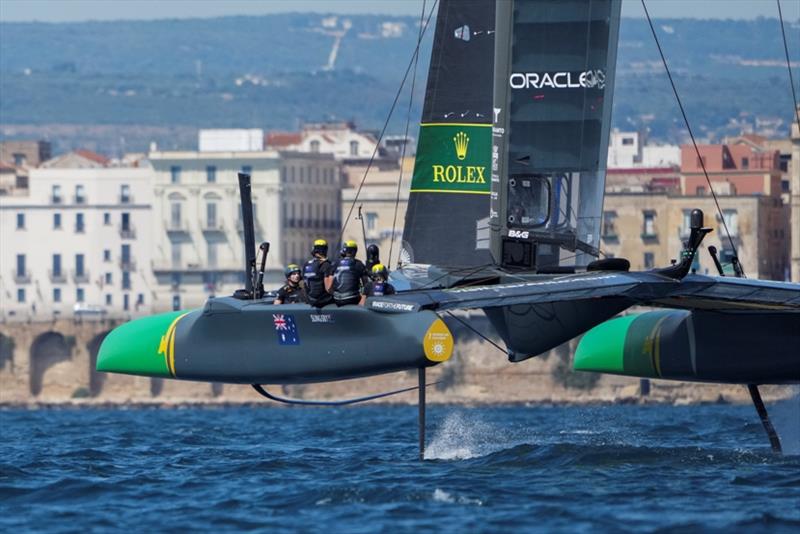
(291,269)
(350,247)
(320,247)
(378,270)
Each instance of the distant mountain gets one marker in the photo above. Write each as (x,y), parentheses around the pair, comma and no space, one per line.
(114,86)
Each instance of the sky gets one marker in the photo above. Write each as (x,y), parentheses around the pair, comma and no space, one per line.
(83,10)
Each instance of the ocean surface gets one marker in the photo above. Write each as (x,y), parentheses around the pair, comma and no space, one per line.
(487,469)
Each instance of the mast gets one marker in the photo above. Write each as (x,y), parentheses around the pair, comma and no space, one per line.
(553,87)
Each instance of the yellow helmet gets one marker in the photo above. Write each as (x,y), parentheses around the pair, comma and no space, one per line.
(350,247)
(291,269)
(320,247)
(379,270)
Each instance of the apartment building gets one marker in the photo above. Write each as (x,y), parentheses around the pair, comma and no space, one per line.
(197,243)
(77,242)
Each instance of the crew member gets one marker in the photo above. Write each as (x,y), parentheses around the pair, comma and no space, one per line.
(373,257)
(318,275)
(379,285)
(349,277)
(293,291)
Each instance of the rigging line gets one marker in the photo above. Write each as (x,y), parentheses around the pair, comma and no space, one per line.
(689,128)
(485,338)
(405,137)
(386,124)
(788,65)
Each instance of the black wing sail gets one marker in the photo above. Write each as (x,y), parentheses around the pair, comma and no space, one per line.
(450,188)
(554,81)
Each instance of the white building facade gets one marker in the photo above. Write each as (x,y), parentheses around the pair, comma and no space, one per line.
(627,150)
(77,244)
(198,247)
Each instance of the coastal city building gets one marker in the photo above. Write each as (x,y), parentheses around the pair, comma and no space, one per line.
(646,211)
(630,149)
(382,212)
(197,241)
(78,243)
(341,139)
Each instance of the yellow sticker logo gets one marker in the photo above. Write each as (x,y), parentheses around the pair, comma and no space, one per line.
(438,342)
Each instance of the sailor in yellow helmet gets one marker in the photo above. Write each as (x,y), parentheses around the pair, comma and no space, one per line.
(379,286)
(318,275)
(349,276)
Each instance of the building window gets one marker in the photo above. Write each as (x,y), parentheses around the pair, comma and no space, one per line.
(56,265)
(126,302)
(107,255)
(80,294)
(56,294)
(211,174)
(686,226)
(56,194)
(291,174)
(701,190)
(211,215)
(80,194)
(124,194)
(609,224)
(176,302)
(731,218)
(627,140)
(20,221)
(140,299)
(175,215)
(125,225)
(107,219)
(649,260)
(21,272)
(372,218)
(56,221)
(79,225)
(108,299)
(19,159)
(80,266)
(21,294)
(354,148)
(247,169)
(126,280)
(745,163)
(649,227)
(315,146)
(175,174)
(109,279)
(125,260)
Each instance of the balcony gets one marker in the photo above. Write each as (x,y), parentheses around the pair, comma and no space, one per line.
(127,232)
(55,199)
(127,264)
(213,226)
(80,277)
(80,228)
(57,277)
(79,199)
(126,199)
(22,277)
(649,236)
(177,227)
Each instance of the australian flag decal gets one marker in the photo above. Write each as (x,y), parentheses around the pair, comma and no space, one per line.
(286,329)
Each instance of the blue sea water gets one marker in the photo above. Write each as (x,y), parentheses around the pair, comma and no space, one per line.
(487,469)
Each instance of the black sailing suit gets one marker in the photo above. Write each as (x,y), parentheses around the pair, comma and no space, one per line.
(314,273)
(349,276)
